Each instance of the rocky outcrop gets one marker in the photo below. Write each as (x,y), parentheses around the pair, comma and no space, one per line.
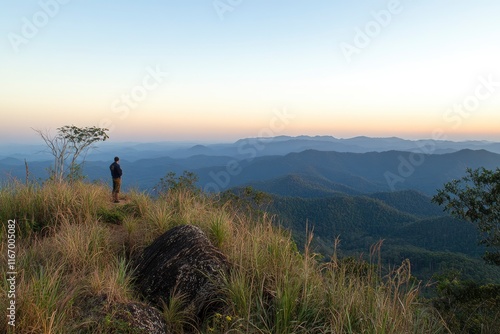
(98,314)
(138,318)
(184,262)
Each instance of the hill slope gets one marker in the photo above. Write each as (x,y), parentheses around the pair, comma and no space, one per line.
(404,220)
(365,173)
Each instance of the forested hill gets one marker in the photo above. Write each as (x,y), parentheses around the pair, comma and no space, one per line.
(372,172)
(410,201)
(304,186)
(410,225)
(357,172)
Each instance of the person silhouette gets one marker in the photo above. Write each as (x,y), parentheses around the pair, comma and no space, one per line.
(116,174)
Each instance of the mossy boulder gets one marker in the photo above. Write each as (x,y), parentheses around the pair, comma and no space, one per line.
(182,262)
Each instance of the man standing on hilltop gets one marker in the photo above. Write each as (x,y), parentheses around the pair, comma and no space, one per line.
(116,174)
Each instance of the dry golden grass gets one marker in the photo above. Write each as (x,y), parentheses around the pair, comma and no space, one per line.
(69,256)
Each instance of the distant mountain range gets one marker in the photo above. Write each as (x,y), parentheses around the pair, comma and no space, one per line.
(255,147)
(310,173)
(351,173)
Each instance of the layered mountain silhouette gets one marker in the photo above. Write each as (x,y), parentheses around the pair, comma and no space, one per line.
(359,189)
(354,172)
(255,147)
(310,173)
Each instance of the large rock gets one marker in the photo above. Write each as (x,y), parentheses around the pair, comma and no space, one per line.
(185,262)
(98,314)
(137,318)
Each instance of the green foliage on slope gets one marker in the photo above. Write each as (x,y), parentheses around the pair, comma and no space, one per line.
(475,198)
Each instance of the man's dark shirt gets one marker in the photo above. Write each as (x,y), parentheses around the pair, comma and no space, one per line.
(116,171)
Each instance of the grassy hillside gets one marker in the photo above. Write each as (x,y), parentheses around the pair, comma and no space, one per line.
(74,249)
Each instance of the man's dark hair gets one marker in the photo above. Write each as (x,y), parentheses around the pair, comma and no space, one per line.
(117,159)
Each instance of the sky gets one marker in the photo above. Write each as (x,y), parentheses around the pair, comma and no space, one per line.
(220,70)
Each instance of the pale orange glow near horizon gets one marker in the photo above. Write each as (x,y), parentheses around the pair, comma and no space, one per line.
(195,76)
(149,125)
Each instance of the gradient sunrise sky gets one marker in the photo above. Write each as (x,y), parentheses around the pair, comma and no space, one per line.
(205,70)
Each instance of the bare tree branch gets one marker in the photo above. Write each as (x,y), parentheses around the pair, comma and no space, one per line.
(71,142)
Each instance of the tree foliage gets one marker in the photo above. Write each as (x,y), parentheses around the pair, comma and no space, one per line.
(476,198)
(171,182)
(466,306)
(69,145)
(247,200)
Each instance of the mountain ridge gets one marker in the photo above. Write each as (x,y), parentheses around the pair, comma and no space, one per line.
(351,173)
(259,146)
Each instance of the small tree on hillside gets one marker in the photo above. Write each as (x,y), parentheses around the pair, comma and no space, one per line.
(186,181)
(476,198)
(70,144)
